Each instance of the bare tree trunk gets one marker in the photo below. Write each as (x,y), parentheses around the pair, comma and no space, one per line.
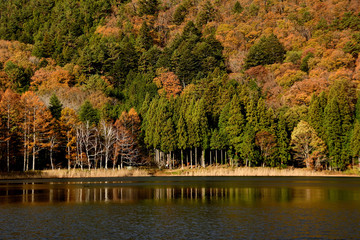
(182,159)
(196,157)
(51,158)
(191,166)
(203,158)
(216,157)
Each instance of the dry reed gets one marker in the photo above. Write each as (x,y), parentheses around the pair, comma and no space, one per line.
(208,171)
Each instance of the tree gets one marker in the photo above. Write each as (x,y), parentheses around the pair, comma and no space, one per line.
(355,141)
(283,141)
(236,124)
(148,7)
(69,122)
(179,14)
(267,50)
(36,126)
(55,107)
(237,7)
(308,147)
(182,135)
(266,143)
(206,14)
(9,113)
(168,83)
(89,114)
(109,138)
(144,40)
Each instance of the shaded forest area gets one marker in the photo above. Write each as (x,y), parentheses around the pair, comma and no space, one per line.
(108,84)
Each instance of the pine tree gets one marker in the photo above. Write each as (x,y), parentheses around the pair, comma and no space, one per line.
(355,141)
(148,7)
(333,133)
(237,7)
(144,40)
(315,115)
(55,107)
(283,141)
(267,50)
(236,124)
(179,15)
(182,135)
(89,114)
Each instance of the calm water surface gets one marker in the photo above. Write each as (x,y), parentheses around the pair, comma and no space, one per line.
(181,208)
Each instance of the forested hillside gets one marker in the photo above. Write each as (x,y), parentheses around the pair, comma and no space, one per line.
(107,84)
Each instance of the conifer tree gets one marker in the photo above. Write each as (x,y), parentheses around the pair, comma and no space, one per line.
(237,7)
(182,135)
(236,124)
(333,133)
(267,51)
(55,107)
(89,114)
(283,149)
(355,141)
(144,40)
(148,7)
(315,115)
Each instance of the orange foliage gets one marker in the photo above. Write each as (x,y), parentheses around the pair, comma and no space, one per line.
(51,78)
(168,83)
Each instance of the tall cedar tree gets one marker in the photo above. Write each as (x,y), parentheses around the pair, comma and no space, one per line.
(55,107)
(267,50)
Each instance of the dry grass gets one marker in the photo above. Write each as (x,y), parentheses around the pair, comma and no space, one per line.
(208,171)
(76,173)
(253,171)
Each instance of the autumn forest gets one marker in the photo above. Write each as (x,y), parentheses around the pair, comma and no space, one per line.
(110,84)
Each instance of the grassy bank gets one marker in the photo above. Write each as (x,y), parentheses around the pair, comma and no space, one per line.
(209,171)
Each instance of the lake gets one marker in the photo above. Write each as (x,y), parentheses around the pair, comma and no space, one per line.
(181,208)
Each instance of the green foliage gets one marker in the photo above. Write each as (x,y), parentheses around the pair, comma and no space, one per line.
(305,62)
(237,7)
(353,46)
(55,107)
(88,113)
(179,15)
(206,14)
(293,57)
(144,40)
(19,76)
(148,7)
(267,50)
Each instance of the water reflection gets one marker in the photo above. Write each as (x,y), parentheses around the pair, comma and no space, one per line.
(131,192)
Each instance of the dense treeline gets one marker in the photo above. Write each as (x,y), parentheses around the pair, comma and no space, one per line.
(112,83)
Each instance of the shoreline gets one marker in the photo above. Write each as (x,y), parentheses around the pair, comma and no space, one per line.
(153,172)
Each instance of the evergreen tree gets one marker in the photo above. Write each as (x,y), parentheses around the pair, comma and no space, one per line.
(247,148)
(89,114)
(179,14)
(315,116)
(148,7)
(182,135)
(267,50)
(355,141)
(236,124)
(206,14)
(144,40)
(283,149)
(55,107)
(237,7)
(333,133)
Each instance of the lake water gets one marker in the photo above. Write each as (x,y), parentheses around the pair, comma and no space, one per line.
(181,208)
